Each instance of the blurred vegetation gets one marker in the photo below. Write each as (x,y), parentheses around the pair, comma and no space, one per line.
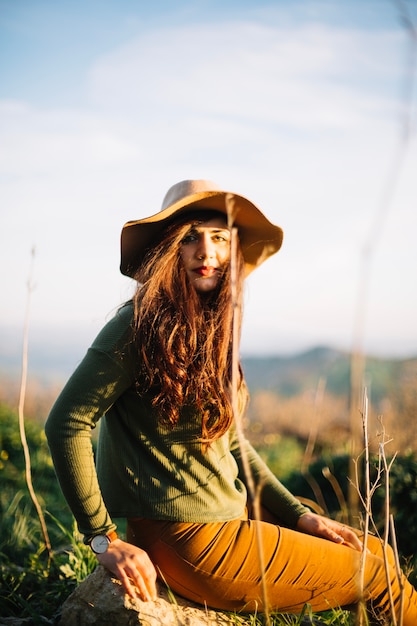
(285,398)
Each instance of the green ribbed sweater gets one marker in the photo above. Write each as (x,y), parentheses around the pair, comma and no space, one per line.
(144,469)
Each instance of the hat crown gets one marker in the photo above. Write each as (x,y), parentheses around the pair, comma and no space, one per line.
(186,188)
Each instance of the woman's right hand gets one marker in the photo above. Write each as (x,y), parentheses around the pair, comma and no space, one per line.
(133,567)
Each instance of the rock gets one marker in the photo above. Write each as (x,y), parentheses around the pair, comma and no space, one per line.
(100,601)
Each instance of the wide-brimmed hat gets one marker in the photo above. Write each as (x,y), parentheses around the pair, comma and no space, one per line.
(259,238)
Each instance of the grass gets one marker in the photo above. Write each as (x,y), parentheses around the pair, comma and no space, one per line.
(33,581)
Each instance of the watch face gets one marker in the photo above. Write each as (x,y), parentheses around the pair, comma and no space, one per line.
(99,544)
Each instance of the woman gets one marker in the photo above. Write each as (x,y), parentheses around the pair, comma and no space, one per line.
(171,458)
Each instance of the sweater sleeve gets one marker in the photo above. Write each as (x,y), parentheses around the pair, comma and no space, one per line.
(101,377)
(274,495)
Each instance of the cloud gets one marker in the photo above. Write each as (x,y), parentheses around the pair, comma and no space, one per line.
(307,77)
(45,141)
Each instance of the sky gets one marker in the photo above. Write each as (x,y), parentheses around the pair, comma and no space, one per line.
(306,107)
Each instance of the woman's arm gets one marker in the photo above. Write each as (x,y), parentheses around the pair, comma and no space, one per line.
(94,386)
(102,376)
(92,389)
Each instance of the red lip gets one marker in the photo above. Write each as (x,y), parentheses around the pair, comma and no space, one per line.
(205,270)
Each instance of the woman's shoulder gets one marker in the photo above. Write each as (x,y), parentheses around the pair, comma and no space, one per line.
(125,312)
(117,330)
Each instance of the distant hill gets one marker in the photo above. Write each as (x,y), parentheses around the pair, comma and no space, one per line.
(291,375)
(52,363)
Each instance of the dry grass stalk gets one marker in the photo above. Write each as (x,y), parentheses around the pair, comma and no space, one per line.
(389,525)
(254,493)
(311,442)
(22,395)
(383,470)
(338,493)
(397,566)
(366,503)
(314,426)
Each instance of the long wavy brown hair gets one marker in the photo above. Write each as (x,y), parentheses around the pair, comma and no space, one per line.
(184,338)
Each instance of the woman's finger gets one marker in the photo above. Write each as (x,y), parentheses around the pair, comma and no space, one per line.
(132,590)
(350,538)
(137,585)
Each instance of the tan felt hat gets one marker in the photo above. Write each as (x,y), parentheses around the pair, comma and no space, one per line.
(259,238)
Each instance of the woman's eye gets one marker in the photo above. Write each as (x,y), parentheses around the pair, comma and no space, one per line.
(221,238)
(189,239)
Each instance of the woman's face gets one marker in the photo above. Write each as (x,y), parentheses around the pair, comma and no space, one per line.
(205,250)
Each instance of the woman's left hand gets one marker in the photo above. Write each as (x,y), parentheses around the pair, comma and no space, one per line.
(319,526)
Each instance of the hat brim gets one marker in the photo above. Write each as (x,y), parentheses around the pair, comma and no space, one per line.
(259,238)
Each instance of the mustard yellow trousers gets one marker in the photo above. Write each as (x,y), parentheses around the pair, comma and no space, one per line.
(218,565)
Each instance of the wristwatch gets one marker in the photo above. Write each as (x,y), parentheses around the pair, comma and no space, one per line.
(100,543)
